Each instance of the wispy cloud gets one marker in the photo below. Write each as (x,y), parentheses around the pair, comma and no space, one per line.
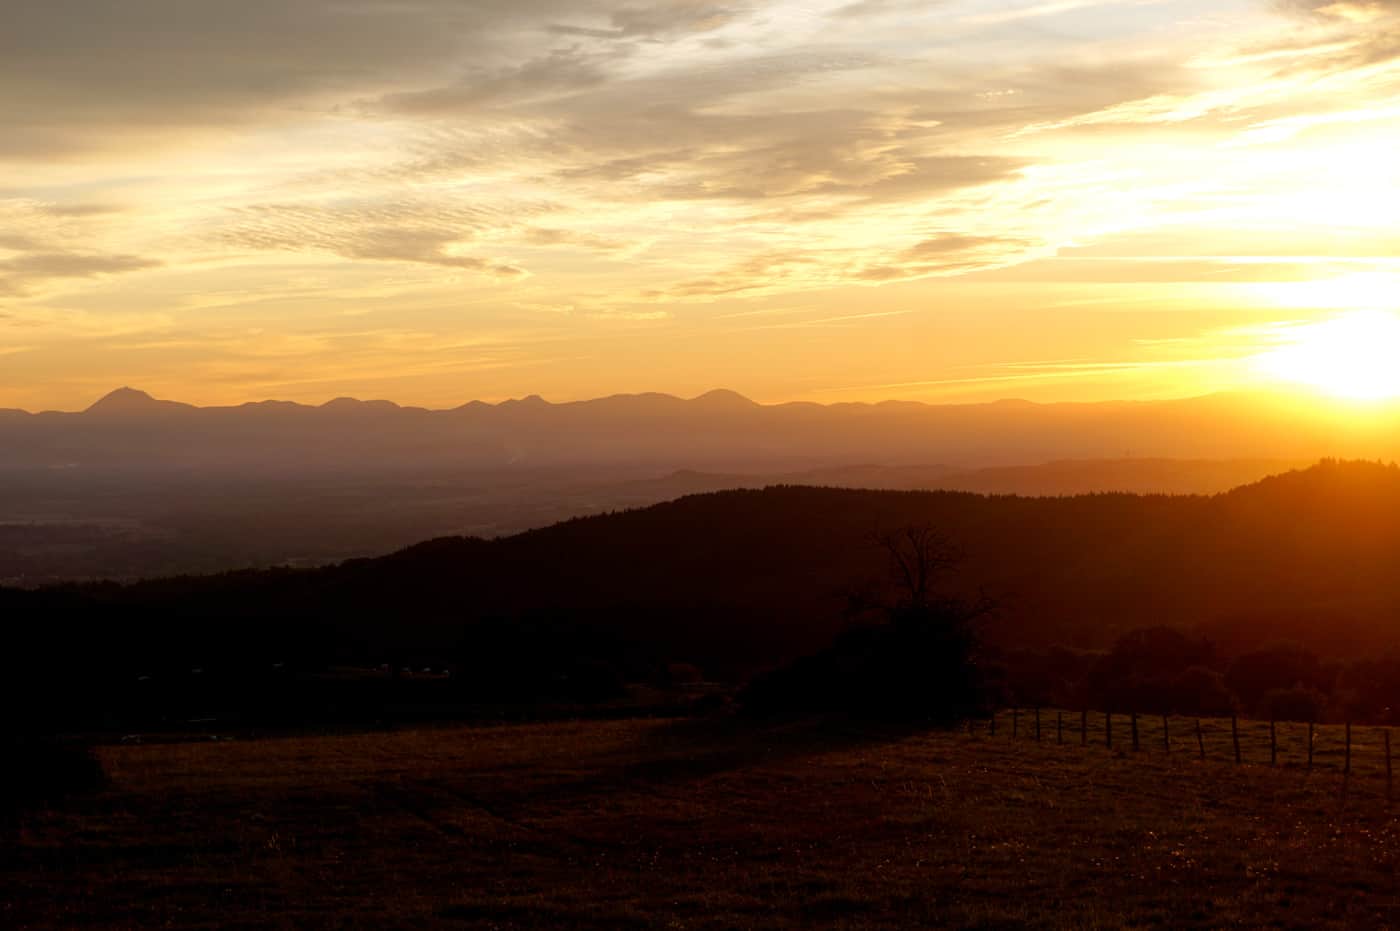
(686,167)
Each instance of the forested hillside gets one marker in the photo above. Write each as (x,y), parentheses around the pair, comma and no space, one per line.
(738,581)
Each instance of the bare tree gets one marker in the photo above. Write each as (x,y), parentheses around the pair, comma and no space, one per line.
(919,554)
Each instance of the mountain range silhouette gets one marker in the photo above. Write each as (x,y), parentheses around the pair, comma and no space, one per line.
(716,430)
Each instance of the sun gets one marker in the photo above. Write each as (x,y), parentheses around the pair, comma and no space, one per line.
(1354,355)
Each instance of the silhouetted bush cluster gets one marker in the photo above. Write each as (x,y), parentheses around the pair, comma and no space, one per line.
(913,657)
(545,657)
(39,772)
(919,665)
(1167,671)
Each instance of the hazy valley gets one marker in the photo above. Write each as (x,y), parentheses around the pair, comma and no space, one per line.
(135,487)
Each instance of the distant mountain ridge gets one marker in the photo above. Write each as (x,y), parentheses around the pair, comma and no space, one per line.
(126,402)
(716,430)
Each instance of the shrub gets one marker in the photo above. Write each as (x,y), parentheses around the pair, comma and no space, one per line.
(914,658)
(1253,676)
(1200,691)
(918,666)
(37,772)
(1299,703)
(1140,672)
(1368,690)
(683,674)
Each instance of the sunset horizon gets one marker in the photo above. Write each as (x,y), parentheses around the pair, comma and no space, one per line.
(1283,394)
(764,464)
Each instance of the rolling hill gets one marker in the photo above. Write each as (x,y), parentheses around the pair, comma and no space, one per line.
(741,579)
(71,524)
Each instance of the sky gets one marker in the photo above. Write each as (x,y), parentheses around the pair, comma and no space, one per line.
(839,200)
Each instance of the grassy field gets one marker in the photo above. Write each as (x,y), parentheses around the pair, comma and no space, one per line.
(714,824)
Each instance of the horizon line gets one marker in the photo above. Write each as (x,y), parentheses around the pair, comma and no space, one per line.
(133,398)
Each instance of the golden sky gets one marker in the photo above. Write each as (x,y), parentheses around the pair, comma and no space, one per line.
(439,200)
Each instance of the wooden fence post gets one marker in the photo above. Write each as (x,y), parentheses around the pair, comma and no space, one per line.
(1235,734)
(1059,727)
(1273,744)
(1108,729)
(1166,735)
(1037,724)
(1200,740)
(1015,722)
(1310,743)
(1083,727)
(1389,783)
(1133,718)
(1346,767)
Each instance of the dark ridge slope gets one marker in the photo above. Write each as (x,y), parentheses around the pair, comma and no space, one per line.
(739,579)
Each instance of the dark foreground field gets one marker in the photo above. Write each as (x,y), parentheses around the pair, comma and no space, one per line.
(701,824)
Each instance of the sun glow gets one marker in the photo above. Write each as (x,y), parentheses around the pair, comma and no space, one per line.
(1355,355)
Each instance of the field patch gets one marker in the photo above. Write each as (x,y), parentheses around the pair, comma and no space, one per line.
(704,823)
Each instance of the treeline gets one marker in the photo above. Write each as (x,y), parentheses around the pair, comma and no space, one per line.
(736,581)
(739,582)
(1162,670)
(105,667)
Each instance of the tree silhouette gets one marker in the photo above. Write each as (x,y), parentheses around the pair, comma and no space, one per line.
(918,553)
(910,658)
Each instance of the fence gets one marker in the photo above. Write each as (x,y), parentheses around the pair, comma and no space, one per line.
(1336,747)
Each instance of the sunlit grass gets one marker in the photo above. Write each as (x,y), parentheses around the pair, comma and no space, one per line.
(719,824)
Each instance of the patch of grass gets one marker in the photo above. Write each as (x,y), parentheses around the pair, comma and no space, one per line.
(697,824)
(36,773)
